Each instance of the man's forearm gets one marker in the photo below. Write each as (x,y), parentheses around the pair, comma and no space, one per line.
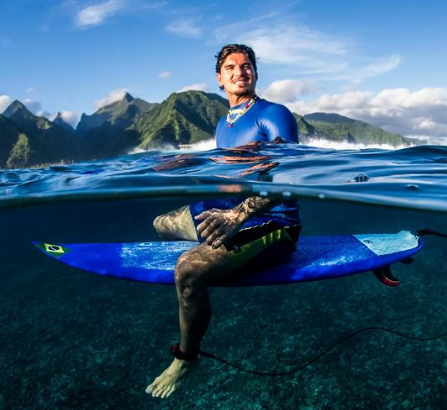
(253,206)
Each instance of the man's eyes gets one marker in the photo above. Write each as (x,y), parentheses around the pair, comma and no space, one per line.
(231,67)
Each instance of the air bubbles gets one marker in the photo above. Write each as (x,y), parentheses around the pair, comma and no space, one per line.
(322,196)
(263,193)
(287,194)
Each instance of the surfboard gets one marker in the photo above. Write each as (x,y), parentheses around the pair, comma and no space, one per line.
(316,258)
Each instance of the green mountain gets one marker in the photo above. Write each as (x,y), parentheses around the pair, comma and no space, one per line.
(62,123)
(118,115)
(9,135)
(184,118)
(304,128)
(19,114)
(334,127)
(105,133)
(39,141)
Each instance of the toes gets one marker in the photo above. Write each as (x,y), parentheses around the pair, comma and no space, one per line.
(157,392)
(151,388)
(165,393)
(169,392)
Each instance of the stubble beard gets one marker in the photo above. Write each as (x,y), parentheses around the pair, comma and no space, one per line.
(245,92)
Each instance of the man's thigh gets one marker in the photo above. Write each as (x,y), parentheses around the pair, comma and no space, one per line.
(213,265)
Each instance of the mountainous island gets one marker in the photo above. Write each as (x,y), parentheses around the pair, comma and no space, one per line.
(184,118)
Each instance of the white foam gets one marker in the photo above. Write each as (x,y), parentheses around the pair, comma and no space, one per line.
(322,143)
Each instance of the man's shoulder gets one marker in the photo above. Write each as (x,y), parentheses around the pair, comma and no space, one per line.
(277,121)
(275,111)
(273,107)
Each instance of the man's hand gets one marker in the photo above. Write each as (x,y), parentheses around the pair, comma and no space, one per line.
(218,225)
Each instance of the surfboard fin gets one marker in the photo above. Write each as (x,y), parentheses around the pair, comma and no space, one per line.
(386,277)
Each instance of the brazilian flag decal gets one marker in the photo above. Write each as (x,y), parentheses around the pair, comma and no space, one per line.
(53,250)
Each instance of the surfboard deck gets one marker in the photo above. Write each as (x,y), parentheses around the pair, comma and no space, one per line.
(316,258)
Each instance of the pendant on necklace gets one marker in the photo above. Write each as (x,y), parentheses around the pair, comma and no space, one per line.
(240,113)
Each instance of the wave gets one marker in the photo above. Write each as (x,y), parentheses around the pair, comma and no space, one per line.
(322,143)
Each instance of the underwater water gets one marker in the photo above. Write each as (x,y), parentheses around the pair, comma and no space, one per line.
(73,340)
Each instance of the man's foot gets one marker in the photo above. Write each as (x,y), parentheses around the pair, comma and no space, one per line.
(170,380)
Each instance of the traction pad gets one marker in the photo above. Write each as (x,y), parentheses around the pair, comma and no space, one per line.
(383,244)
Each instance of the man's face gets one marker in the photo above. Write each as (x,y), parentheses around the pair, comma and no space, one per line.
(237,75)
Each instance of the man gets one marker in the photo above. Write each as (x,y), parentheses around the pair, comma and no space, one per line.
(234,234)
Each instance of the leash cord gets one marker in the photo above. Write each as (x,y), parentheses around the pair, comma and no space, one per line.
(324,352)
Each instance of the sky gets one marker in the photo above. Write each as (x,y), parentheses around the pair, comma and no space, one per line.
(383,62)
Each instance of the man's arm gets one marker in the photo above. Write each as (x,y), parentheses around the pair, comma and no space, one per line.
(219,225)
(278,121)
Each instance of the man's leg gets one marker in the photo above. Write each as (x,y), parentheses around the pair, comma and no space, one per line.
(195,270)
(176,225)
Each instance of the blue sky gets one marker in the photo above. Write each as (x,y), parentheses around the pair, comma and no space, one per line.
(383,62)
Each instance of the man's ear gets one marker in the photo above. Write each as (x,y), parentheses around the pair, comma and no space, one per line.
(219,79)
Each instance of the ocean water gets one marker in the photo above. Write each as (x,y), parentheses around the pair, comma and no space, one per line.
(72,340)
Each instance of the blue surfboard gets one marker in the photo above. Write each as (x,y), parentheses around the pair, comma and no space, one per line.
(316,258)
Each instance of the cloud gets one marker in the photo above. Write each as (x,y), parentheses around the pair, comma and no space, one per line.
(196,87)
(34,106)
(31,90)
(373,69)
(5,100)
(380,66)
(165,74)
(281,41)
(185,27)
(98,13)
(286,91)
(69,117)
(398,110)
(297,49)
(114,96)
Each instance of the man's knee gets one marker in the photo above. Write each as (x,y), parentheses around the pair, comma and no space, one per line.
(177,224)
(187,273)
(158,223)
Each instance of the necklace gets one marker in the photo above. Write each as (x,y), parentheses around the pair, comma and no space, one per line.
(239,112)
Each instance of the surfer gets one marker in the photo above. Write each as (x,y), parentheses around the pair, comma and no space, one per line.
(234,234)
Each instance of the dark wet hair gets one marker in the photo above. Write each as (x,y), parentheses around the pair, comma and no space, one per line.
(235,48)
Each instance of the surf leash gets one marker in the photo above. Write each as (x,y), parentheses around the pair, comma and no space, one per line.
(324,352)
(421,232)
(428,231)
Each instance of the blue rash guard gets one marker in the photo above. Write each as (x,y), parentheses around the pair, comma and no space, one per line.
(263,121)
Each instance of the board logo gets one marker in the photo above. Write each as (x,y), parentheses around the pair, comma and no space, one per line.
(54,248)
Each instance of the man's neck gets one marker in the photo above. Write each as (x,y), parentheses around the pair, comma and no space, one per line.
(239,99)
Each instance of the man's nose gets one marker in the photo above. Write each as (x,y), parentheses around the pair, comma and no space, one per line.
(238,70)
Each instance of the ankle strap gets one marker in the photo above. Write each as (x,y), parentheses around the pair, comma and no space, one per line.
(181,355)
